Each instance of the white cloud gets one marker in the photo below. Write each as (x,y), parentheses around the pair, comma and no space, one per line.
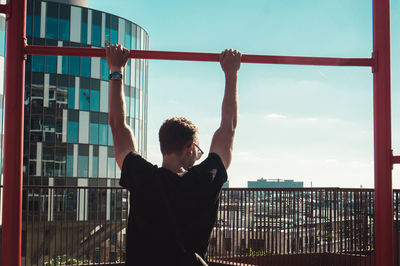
(276,116)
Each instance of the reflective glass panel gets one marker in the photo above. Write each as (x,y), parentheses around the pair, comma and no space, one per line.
(64,25)
(103,134)
(38,63)
(96,28)
(85,67)
(70,165)
(83,166)
(84,99)
(110,137)
(71,97)
(64,63)
(74,65)
(114,30)
(28,25)
(64,30)
(73,129)
(94,133)
(84,25)
(127,105)
(51,27)
(104,69)
(111,168)
(94,100)
(51,64)
(95,170)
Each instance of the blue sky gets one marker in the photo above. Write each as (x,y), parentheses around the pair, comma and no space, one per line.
(311,124)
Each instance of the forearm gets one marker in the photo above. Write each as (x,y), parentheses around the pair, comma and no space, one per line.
(230,103)
(116,112)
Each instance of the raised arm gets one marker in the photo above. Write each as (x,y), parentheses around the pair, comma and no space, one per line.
(222,142)
(124,141)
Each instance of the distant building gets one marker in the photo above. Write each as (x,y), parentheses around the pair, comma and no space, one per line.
(274,183)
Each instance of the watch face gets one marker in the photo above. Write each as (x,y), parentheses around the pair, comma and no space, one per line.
(115,75)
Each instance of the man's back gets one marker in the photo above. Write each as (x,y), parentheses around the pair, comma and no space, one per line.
(170,214)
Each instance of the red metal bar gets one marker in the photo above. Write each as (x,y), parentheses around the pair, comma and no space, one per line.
(382,134)
(4,9)
(13,134)
(396,159)
(211,57)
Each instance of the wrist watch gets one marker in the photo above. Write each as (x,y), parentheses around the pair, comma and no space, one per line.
(115,76)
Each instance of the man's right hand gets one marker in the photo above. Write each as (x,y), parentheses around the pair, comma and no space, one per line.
(117,56)
(230,61)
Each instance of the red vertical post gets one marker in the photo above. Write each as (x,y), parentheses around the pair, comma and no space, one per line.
(382,134)
(13,133)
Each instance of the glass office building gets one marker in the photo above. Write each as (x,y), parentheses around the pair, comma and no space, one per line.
(67,138)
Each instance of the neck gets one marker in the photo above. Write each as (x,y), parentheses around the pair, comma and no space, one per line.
(172,163)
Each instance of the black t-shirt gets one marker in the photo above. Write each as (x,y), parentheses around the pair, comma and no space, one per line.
(170,214)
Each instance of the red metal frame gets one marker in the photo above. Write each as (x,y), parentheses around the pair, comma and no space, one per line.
(383,158)
(13,133)
(13,137)
(210,57)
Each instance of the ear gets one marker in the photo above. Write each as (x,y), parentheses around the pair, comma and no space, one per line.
(189,149)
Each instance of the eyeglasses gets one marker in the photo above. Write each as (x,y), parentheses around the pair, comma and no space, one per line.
(200,153)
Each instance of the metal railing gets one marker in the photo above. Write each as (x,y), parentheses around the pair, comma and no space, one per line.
(87,225)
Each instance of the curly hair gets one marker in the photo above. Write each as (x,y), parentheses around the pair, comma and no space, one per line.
(175,133)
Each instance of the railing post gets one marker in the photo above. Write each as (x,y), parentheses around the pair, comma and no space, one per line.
(382,134)
(13,133)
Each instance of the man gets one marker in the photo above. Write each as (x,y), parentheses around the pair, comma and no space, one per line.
(174,207)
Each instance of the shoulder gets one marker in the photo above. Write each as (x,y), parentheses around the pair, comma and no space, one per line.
(211,169)
(133,159)
(136,171)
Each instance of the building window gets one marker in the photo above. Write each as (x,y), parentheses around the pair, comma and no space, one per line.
(94,133)
(84,99)
(95,95)
(70,165)
(71,97)
(94,128)
(74,65)
(111,163)
(104,69)
(83,127)
(103,119)
(127,105)
(83,161)
(114,29)
(84,25)
(73,129)
(103,134)
(128,37)
(73,126)
(85,67)
(36,17)
(65,13)
(64,65)
(38,63)
(96,28)
(52,20)
(110,137)
(95,162)
(51,64)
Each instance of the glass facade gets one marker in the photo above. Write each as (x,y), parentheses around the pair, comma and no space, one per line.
(66,97)
(67,139)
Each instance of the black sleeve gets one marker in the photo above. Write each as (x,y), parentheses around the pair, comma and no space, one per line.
(211,171)
(136,172)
